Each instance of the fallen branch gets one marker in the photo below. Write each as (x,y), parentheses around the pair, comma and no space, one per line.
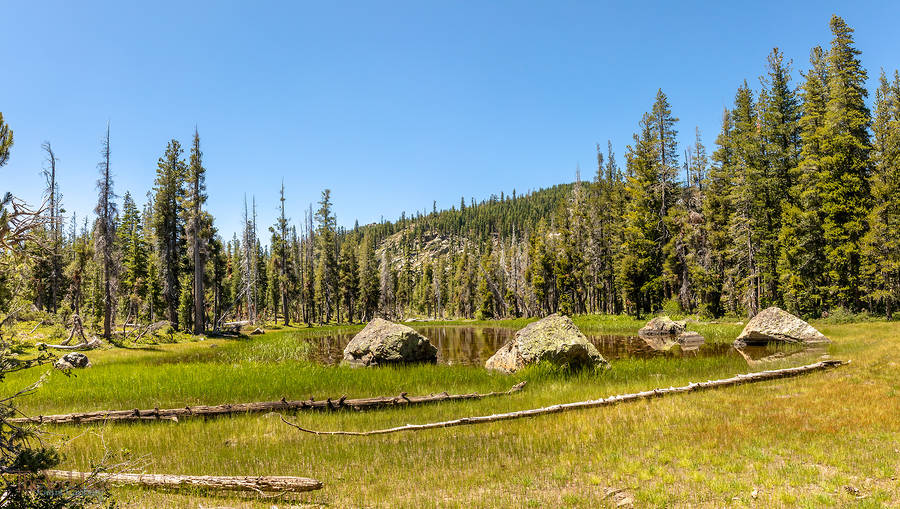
(40,322)
(90,345)
(612,400)
(173,414)
(244,483)
(153,327)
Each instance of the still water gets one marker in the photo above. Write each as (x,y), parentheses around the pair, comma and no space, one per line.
(473,345)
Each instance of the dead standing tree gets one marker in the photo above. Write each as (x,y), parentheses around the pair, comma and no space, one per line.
(105,233)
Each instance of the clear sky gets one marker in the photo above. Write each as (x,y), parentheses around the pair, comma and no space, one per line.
(391,104)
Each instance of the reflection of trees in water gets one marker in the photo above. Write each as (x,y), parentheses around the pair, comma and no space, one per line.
(473,345)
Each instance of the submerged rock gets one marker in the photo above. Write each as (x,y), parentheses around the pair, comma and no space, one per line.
(72,360)
(663,325)
(554,339)
(686,341)
(384,342)
(776,325)
(690,340)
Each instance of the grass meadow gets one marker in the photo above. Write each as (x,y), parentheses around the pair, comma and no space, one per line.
(825,439)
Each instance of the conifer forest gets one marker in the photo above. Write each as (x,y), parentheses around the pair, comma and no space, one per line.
(795,203)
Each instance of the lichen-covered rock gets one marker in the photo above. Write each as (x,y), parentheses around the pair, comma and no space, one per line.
(776,325)
(384,342)
(663,325)
(72,360)
(554,339)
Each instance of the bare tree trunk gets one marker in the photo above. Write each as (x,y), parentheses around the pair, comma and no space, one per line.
(612,400)
(258,484)
(173,414)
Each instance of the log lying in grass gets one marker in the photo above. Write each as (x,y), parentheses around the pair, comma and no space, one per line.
(173,414)
(612,400)
(90,345)
(280,484)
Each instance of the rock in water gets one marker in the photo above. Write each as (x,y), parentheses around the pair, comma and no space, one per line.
(384,342)
(690,340)
(554,339)
(775,324)
(72,360)
(663,325)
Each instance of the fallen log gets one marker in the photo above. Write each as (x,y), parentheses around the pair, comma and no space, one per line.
(594,403)
(259,484)
(90,345)
(173,414)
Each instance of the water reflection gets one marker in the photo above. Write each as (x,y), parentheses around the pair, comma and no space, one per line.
(473,345)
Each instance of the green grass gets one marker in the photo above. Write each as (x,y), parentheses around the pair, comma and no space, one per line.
(796,442)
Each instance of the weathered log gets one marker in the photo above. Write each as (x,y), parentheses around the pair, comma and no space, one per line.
(259,484)
(173,414)
(90,345)
(594,403)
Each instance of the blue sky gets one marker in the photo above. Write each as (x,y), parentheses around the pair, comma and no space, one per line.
(390,104)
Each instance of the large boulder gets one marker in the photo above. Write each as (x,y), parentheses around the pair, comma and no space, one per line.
(776,325)
(663,325)
(72,360)
(384,342)
(554,339)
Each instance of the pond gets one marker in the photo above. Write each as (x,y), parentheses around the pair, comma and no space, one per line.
(464,345)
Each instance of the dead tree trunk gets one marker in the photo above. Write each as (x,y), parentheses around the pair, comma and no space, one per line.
(173,414)
(258,484)
(612,400)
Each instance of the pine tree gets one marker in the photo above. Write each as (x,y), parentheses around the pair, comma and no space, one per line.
(327,277)
(746,223)
(845,160)
(640,267)
(134,257)
(168,225)
(802,258)
(369,279)
(881,244)
(196,177)
(349,276)
(716,209)
(780,132)
(280,251)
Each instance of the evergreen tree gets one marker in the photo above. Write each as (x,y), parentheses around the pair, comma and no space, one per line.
(327,277)
(845,161)
(168,225)
(368,279)
(349,276)
(881,244)
(802,258)
(196,177)
(134,258)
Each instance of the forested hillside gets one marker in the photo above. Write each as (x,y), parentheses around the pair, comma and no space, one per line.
(797,204)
